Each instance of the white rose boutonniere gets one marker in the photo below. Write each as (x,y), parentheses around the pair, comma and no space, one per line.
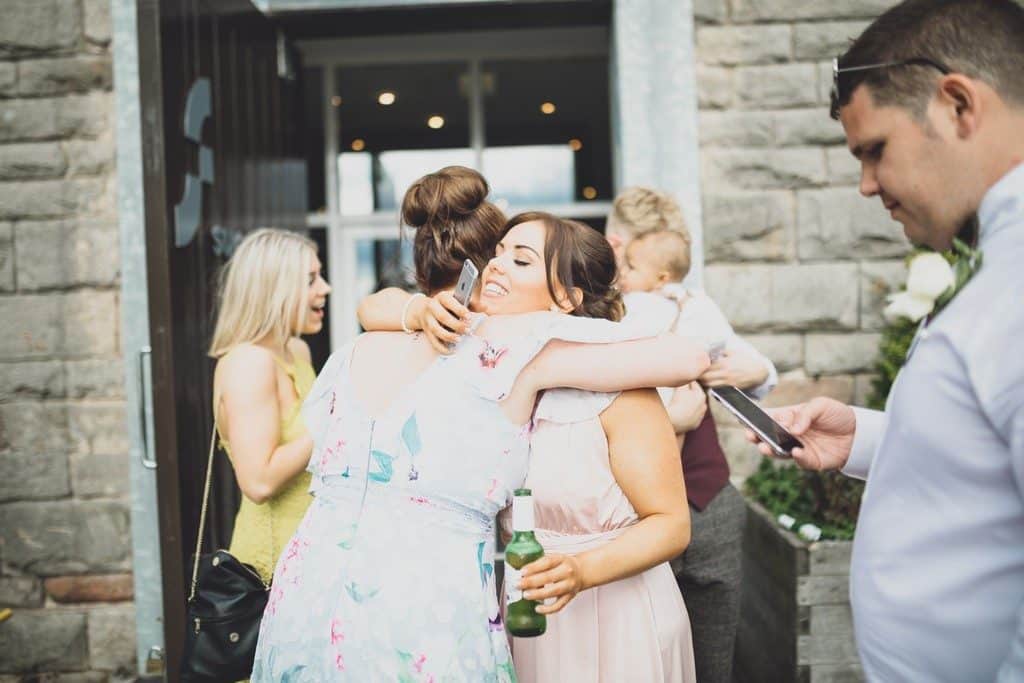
(932,282)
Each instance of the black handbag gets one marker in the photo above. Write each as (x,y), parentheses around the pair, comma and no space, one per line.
(225,606)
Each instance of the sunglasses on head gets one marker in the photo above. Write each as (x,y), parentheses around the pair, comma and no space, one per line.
(837,92)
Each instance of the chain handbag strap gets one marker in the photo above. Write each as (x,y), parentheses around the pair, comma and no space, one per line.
(202,513)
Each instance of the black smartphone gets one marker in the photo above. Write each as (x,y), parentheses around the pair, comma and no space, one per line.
(467,281)
(753,416)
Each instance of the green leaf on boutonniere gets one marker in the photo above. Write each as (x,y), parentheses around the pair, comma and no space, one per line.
(966,262)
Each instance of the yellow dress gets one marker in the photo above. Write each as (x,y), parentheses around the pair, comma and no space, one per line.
(262,529)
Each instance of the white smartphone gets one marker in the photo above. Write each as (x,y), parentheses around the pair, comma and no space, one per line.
(760,422)
(467,281)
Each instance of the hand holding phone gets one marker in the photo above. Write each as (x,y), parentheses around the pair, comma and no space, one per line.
(753,416)
(466,283)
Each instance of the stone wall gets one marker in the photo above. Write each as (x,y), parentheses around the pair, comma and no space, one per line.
(65,555)
(796,258)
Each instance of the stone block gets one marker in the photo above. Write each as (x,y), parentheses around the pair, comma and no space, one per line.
(832,354)
(863,388)
(782,86)
(731,45)
(710,11)
(96,21)
(748,226)
(6,257)
(38,27)
(90,157)
(112,639)
(824,82)
(31,161)
(95,378)
(20,591)
(100,475)
(807,127)
(736,129)
(816,650)
(786,297)
(56,117)
(36,199)
(877,280)
(75,325)
(843,168)
(824,39)
(32,427)
(43,641)
(797,387)
(8,78)
(781,10)
(66,537)
(714,88)
(840,223)
(64,75)
(66,254)
(785,350)
(33,475)
(743,293)
(90,588)
(97,428)
(763,169)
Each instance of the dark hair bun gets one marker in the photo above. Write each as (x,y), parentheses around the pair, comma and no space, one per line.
(436,199)
(453,221)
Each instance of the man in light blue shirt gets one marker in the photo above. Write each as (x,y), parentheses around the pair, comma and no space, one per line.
(931,97)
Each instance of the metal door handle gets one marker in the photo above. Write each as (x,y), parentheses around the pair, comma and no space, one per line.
(145,404)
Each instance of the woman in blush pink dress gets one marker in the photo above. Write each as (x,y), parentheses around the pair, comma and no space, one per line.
(608,499)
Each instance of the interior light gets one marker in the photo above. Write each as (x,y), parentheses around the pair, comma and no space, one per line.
(547,108)
(386,98)
(436,122)
(336,101)
(589,192)
(358,145)
(575,144)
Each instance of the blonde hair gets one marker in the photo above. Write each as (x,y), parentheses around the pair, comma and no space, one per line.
(669,251)
(262,289)
(637,210)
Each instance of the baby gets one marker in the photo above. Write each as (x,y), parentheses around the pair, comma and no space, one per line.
(656,262)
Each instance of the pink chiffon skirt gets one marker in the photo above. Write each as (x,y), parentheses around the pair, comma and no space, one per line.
(635,630)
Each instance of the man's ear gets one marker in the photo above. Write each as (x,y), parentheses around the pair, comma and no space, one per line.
(963,98)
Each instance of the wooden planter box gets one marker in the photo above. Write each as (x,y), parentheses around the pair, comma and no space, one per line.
(795,622)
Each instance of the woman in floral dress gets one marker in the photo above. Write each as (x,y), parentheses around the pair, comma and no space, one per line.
(390,575)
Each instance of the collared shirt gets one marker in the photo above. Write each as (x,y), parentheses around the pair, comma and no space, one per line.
(937,576)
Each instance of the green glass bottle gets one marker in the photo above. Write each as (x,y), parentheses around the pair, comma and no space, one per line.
(521,618)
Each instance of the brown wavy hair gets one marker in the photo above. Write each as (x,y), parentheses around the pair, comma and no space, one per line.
(577,256)
(453,221)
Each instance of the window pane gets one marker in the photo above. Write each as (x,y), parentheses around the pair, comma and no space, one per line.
(528,175)
(396,123)
(531,103)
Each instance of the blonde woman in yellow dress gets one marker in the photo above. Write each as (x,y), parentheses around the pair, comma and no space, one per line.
(270,292)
